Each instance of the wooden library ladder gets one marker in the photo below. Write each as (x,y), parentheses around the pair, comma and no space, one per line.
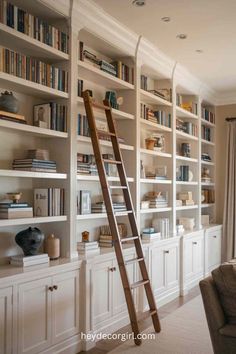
(89,103)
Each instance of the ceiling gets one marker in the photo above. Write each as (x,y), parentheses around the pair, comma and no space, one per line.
(210,26)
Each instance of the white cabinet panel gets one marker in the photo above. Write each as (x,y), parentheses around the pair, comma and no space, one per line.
(34,316)
(5,320)
(172,265)
(213,249)
(65,306)
(157,269)
(102,291)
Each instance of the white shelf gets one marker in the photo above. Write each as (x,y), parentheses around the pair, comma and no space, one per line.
(187,183)
(15,83)
(155,153)
(35,220)
(96,178)
(155,181)
(116,113)
(207,184)
(155,210)
(150,98)
(30,129)
(186,136)
(209,163)
(207,142)
(188,159)
(183,113)
(99,215)
(186,207)
(29,45)
(93,74)
(28,174)
(207,205)
(87,140)
(205,122)
(153,126)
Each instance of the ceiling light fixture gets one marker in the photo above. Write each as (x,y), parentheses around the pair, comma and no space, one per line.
(139,3)
(165,19)
(181,36)
(199,51)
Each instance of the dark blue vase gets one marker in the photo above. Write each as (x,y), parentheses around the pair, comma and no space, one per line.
(30,240)
(8,102)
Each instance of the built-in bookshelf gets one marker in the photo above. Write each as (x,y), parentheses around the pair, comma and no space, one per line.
(164,127)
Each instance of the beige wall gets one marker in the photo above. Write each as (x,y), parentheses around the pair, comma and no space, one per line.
(222,112)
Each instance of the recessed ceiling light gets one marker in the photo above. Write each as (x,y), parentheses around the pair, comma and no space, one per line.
(165,19)
(139,2)
(199,51)
(181,36)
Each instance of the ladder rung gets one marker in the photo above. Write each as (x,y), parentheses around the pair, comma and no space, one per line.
(122,213)
(103,132)
(139,283)
(129,238)
(101,106)
(146,314)
(134,260)
(113,162)
(118,187)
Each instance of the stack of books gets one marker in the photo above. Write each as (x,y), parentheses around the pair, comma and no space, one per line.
(48,202)
(26,261)
(51,116)
(100,207)
(22,21)
(33,70)
(17,118)
(10,210)
(157,199)
(106,239)
(149,235)
(36,161)
(163,226)
(86,165)
(88,248)
(107,67)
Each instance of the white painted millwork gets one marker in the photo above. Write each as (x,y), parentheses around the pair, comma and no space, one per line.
(213,239)
(6,323)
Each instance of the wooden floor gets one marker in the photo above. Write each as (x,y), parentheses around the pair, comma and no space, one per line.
(105,346)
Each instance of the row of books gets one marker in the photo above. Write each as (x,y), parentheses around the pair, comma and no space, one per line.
(208,115)
(206,133)
(190,106)
(100,207)
(157,117)
(34,70)
(186,127)
(32,26)
(83,128)
(162,225)
(143,82)
(86,164)
(209,196)
(51,115)
(49,201)
(182,173)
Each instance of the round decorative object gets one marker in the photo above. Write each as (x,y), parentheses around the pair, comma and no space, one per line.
(15,197)
(52,247)
(30,240)
(8,102)
(150,143)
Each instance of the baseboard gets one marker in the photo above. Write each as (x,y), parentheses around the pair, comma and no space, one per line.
(191,284)
(72,345)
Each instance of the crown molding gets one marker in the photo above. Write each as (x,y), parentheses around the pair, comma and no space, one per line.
(226,98)
(59,6)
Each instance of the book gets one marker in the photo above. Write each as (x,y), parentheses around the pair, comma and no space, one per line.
(12,115)
(51,115)
(16,213)
(48,202)
(23,261)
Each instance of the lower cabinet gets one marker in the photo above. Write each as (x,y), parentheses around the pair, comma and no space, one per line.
(213,236)
(6,320)
(47,311)
(192,269)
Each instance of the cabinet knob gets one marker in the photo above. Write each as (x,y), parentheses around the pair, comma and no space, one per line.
(114,269)
(111,269)
(195,243)
(167,251)
(50,288)
(55,287)
(214,236)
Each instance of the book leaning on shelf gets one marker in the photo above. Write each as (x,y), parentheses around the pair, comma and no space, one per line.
(48,202)
(24,22)
(34,70)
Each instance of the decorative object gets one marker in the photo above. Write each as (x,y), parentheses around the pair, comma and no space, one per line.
(188,223)
(85,202)
(15,196)
(85,236)
(142,170)
(150,143)
(52,247)
(206,175)
(159,142)
(8,102)
(186,149)
(205,220)
(30,240)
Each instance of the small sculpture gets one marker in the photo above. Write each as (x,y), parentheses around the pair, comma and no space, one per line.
(8,102)
(15,196)
(85,236)
(30,240)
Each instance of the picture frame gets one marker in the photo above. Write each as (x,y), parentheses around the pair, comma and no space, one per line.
(85,202)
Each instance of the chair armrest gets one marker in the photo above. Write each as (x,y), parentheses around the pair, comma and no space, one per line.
(228,331)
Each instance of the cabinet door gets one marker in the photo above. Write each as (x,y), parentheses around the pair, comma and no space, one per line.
(118,297)
(198,255)
(34,316)
(214,249)
(157,269)
(188,258)
(6,320)
(172,266)
(65,306)
(101,292)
